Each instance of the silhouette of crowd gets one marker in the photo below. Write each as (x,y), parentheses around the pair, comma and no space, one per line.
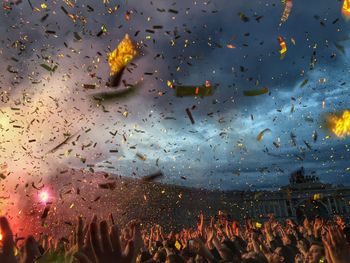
(213,239)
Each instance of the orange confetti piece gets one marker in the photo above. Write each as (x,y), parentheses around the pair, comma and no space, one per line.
(230,46)
(283,46)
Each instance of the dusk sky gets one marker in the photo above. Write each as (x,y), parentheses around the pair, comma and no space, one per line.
(220,150)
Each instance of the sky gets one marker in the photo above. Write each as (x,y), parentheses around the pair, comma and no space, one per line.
(39,108)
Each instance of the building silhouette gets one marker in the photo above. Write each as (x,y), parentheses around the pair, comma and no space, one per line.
(305,196)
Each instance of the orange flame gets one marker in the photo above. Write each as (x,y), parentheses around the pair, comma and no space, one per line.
(340,126)
(346,8)
(122,55)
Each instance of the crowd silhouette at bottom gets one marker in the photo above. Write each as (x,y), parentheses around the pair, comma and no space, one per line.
(213,239)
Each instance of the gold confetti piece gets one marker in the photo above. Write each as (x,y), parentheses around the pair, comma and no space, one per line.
(43,6)
(170,85)
(141,156)
(317,197)
(346,9)
(256,92)
(261,134)
(122,55)
(177,245)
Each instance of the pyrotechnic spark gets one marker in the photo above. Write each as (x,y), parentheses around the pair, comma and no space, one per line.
(340,125)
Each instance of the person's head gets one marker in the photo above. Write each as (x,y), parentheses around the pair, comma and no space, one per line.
(290,222)
(199,259)
(282,254)
(303,244)
(174,258)
(253,257)
(143,257)
(232,246)
(315,253)
(160,255)
(338,220)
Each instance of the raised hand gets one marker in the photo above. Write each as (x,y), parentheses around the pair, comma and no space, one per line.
(317,227)
(200,224)
(106,245)
(336,246)
(7,255)
(31,250)
(79,241)
(55,253)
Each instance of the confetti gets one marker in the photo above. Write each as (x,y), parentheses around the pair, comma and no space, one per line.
(190,116)
(152,177)
(262,133)
(346,9)
(340,124)
(288,4)
(256,92)
(122,55)
(183,91)
(283,46)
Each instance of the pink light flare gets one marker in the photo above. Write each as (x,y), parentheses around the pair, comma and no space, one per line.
(44,196)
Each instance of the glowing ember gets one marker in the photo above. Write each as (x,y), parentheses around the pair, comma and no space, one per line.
(340,125)
(122,55)
(44,196)
(0,236)
(346,9)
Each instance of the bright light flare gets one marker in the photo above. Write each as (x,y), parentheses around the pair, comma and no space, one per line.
(44,196)
(340,125)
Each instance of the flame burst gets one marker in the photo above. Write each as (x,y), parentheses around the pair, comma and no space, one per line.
(346,9)
(340,125)
(122,55)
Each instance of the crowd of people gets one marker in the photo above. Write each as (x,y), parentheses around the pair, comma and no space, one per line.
(215,239)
